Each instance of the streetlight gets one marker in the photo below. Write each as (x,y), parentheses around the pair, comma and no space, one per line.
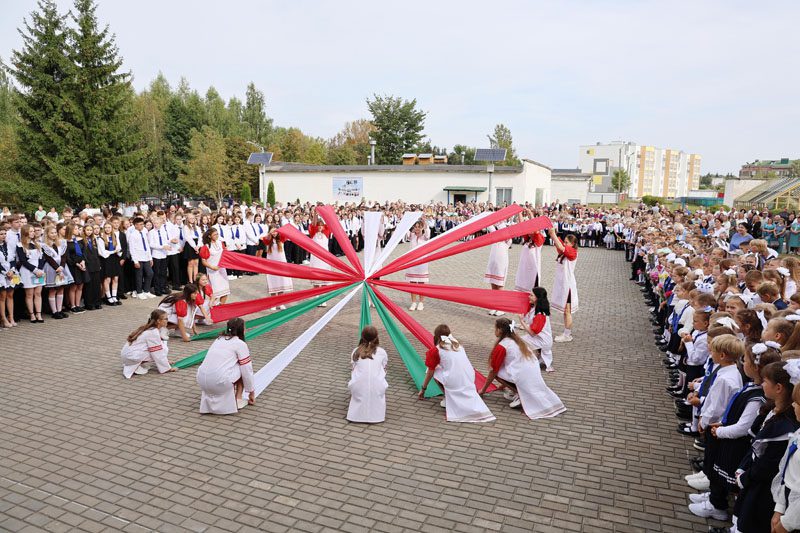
(372,143)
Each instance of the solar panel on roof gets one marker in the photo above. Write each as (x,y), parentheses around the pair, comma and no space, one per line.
(260,158)
(490,154)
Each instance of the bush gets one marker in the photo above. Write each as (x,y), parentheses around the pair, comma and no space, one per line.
(271,194)
(652,200)
(719,207)
(247,196)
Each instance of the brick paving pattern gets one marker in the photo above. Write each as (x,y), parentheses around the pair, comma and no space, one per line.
(81,448)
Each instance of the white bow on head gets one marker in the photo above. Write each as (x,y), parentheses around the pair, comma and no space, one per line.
(783,271)
(728,322)
(448,339)
(730,272)
(512,326)
(793,317)
(792,368)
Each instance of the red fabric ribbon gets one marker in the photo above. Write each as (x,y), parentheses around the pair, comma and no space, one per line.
(424,336)
(221,313)
(249,263)
(515,230)
(443,240)
(330,218)
(311,246)
(509,301)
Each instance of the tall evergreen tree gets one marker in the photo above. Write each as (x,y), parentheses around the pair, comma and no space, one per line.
(255,115)
(45,131)
(103,100)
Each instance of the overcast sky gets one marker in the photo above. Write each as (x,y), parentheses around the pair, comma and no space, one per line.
(718,78)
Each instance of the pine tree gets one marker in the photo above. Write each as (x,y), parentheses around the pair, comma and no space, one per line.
(271,194)
(44,131)
(111,166)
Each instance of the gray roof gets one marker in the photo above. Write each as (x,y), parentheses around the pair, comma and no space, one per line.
(569,174)
(299,167)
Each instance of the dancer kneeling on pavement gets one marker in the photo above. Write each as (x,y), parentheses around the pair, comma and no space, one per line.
(368,379)
(514,366)
(181,308)
(728,441)
(448,364)
(145,345)
(227,372)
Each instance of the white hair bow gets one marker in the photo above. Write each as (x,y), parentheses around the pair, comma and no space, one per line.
(512,326)
(448,339)
(783,271)
(793,317)
(708,309)
(705,287)
(730,272)
(762,318)
(792,368)
(758,350)
(772,344)
(727,321)
(698,272)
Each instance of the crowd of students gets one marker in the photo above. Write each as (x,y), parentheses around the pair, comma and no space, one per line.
(726,314)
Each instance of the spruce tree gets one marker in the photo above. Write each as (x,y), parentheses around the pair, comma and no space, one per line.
(44,130)
(110,163)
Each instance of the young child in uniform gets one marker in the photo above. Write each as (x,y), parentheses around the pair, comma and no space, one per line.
(785,486)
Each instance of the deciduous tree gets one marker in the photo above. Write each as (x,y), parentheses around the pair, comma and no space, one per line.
(399,126)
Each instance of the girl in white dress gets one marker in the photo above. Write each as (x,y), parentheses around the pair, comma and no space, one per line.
(448,364)
(145,345)
(497,269)
(320,234)
(276,284)
(205,299)
(181,308)
(419,234)
(565,288)
(513,365)
(30,265)
(226,373)
(368,380)
(210,254)
(530,260)
(535,326)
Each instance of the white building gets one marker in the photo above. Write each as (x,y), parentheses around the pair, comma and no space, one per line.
(570,185)
(653,171)
(410,183)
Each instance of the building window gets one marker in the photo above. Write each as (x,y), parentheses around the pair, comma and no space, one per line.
(503,195)
(600,166)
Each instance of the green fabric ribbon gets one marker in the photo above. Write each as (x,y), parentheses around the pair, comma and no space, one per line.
(366,319)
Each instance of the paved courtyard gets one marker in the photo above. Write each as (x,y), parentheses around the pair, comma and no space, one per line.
(81,448)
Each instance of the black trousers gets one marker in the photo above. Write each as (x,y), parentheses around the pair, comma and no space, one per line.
(143,277)
(174,268)
(160,276)
(91,290)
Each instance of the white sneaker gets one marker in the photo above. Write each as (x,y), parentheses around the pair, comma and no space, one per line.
(706,510)
(516,402)
(441,404)
(492,312)
(413,306)
(241,403)
(563,338)
(508,394)
(421,306)
(281,307)
(231,278)
(699,498)
(150,295)
(499,313)
(698,475)
(141,296)
(700,484)
(141,370)
(323,304)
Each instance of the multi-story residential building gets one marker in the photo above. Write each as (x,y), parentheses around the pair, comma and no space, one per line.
(780,168)
(653,171)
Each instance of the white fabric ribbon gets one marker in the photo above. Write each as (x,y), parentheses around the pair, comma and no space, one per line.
(792,368)
(372,223)
(783,271)
(762,318)
(277,364)
(403,227)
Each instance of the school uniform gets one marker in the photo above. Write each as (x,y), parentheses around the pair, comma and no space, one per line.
(110,255)
(760,472)
(321,238)
(785,487)
(28,262)
(367,388)
(253,232)
(6,266)
(148,347)
(141,254)
(94,268)
(454,371)
(193,240)
(218,279)
(538,401)
(565,288)
(419,273)
(530,260)
(159,245)
(227,361)
(174,231)
(56,258)
(126,279)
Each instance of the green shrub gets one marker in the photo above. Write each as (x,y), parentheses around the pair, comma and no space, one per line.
(271,194)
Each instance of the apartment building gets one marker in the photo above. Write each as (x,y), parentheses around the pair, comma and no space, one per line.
(653,171)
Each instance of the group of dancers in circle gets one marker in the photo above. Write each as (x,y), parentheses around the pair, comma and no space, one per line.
(226,374)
